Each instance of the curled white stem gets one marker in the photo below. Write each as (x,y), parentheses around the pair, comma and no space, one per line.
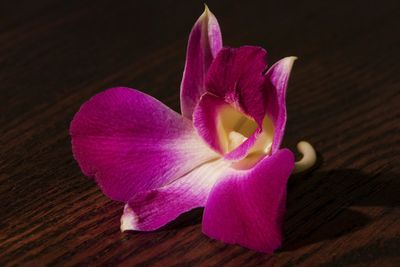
(309,157)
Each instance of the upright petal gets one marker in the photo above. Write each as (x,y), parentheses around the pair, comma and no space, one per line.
(277,78)
(246,207)
(205,41)
(131,142)
(150,210)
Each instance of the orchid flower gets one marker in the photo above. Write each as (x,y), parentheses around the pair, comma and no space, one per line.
(222,153)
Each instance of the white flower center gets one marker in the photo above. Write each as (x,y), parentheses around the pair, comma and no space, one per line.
(235,140)
(235,127)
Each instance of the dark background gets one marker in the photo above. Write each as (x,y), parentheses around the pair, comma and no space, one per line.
(343,97)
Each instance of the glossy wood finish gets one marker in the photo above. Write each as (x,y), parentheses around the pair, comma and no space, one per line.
(343,97)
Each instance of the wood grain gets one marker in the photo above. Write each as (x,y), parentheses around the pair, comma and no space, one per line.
(344,97)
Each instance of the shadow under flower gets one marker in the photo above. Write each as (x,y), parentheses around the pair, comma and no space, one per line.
(184,220)
(321,204)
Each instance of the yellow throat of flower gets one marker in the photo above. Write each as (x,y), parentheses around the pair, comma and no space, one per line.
(234,127)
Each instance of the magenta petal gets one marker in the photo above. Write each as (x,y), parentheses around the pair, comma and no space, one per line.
(204,43)
(150,210)
(236,75)
(277,78)
(131,142)
(247,207)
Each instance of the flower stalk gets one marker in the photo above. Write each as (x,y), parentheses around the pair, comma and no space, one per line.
(309,157)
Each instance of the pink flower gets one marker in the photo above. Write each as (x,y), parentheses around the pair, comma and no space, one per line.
(223,153)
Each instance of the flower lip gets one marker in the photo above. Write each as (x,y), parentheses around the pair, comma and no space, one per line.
(229,131)
(236,75)
(235,94)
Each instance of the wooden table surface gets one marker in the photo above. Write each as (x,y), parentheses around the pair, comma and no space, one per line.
(343,97)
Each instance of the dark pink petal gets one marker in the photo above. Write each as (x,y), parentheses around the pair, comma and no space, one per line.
(236,75)
(246,207)
(208,122)
(205,121)
(277,78)
(204,43)
(150,210)
(131,142)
